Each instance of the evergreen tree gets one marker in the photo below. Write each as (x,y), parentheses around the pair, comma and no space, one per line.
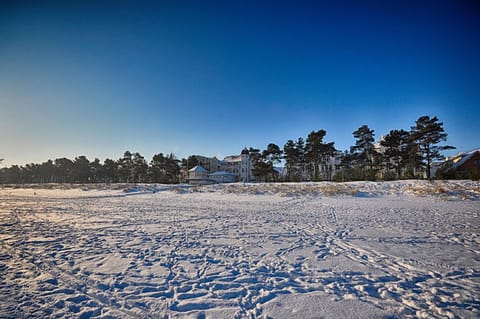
(156,170)
(11,175)
(317,152)
(272,155)
(173,168)
(30,173)
(295,163)
(290,158)
(425,135)
(125,168)
(262,169)
(259,167)
(164,169)
(263,162)
(190,162)
(364,150)
(110,170)
(300,159)
(396,150)
(254,153)
(81,167)
(349,168)
(64,170)
(96,171)
(139,168)
(414,159)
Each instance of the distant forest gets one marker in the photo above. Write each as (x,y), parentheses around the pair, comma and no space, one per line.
(402,154)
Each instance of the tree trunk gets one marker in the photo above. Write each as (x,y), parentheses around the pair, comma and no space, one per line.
(429,162)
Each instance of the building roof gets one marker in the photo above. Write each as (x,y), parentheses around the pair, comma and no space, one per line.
(461,158)
(199,169)
(233,158)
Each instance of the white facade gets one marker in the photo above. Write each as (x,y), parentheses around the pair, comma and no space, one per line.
(197,172)
(198,175)
(231,169)
(211,164)
(223,177)
(240,165)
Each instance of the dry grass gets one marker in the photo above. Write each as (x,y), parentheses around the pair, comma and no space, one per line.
(334,189)
(440,190)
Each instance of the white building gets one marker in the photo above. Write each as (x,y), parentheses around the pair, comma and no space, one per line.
(198,175)
(211,164)
(239,165)
(235,168)
(222,177)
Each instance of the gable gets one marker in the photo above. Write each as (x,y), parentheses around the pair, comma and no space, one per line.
(469,161)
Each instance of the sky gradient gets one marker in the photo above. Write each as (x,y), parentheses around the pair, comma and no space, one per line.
(211,77)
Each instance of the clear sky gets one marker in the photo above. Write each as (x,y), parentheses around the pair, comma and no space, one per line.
(211,77)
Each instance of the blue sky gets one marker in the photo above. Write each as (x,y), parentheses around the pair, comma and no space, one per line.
(210,77)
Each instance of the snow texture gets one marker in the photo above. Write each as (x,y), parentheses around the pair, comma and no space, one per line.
(408,249)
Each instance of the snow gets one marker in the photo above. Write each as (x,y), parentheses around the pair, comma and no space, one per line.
(404,249)
(198,168)
(464,157)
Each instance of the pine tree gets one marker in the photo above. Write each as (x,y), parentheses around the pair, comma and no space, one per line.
(317,152)
(173,168)
(64,170)
(96,170)
(263,162)
(261,169)
(290,158)
(300,159)
(81,167)
(125,168)
(164,169)
(139,168)
(12,175)
(190,162)
(254,153)
(272,155)
(295,163)
(346,167)
(396,150)
(425,135)
(364,150)
(110,170)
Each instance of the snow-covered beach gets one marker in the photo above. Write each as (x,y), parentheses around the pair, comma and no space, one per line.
(404,249)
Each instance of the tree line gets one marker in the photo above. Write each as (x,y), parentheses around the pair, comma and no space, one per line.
(403,154)
(130,168)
